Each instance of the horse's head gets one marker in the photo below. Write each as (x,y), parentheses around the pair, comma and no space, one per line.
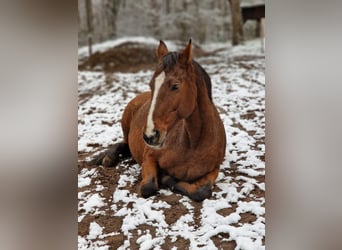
(174,93)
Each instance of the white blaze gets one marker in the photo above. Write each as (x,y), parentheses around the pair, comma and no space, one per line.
(157,84)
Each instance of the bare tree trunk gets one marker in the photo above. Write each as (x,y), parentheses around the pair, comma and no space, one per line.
(168,7)
(200,25)
(115,11)
(155,17)
(224,7)
(183,24)
(237,36)
(105,9)
(89,10)
(197,6)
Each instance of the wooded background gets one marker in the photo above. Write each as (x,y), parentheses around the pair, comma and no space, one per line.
(204,21)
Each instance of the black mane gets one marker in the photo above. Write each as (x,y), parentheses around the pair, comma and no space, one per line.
(171,58)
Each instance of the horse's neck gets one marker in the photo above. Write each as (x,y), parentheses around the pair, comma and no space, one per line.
(198,120)
(193,127)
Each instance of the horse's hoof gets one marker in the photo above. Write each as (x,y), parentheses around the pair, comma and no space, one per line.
(109,162)
(202,193)
(98,160)
(148,189)
(168,182)
(112,156)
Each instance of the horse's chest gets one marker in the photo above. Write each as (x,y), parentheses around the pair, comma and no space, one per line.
(176,164)
(185,167)
(170,159)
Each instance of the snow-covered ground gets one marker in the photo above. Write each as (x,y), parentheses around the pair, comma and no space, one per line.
(110,211)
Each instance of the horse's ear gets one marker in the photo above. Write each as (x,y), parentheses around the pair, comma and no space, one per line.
(185,56)
(161,50)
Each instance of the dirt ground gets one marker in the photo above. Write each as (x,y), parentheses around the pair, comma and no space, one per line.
(127,57)
(106,181)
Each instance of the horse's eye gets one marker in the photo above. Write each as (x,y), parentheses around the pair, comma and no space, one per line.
(174,86)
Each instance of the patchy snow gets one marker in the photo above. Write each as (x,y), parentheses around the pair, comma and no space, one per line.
(94,231)
(84,244)
(147,242)
(93,202)
(239,93)
(82,182)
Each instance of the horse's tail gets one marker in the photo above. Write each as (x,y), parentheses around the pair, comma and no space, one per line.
(112,156)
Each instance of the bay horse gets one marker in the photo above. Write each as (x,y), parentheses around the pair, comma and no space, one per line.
(174,131)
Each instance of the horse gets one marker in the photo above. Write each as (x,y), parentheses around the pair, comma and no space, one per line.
(174,132)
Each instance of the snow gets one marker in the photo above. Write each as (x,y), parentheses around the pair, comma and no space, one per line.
(238,89)
(94,231)
(82,182)
(146,242)
(85,244)
(93,202)
(144,211)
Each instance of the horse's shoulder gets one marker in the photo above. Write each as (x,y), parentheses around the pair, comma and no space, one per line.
(143,97)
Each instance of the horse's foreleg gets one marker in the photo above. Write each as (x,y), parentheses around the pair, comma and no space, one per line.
(149,172)
(197,190)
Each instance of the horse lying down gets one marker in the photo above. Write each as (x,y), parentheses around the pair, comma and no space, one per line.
(173,132)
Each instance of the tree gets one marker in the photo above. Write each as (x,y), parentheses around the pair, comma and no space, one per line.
(115,10)
(155,16)
(237,36)
(89,10)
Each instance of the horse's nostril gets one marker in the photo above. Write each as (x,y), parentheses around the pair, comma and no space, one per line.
(146,138)
(156,133)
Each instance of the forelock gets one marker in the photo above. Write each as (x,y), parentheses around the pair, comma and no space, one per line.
(169,60)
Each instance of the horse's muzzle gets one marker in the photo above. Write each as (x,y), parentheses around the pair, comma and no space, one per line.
(152,140)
